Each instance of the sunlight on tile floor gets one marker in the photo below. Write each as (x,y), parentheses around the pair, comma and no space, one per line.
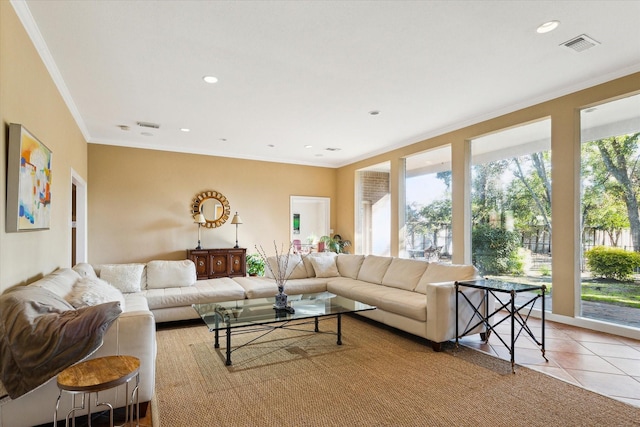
(604,363)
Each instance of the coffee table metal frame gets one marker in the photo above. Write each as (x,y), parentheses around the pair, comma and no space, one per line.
(251,315)
(492,287)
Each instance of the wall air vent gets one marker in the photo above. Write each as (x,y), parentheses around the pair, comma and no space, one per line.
(580,43)
(148,125)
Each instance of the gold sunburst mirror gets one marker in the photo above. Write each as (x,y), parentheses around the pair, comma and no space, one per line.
(213,205)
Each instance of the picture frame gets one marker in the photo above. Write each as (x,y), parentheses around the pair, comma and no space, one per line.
(28,182)
(296,223)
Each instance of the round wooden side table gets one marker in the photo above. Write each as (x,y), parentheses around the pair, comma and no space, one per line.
(95,375)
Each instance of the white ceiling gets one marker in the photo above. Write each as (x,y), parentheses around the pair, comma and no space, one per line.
(297,73)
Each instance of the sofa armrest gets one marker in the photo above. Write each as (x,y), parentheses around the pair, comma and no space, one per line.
(441,311)
(134,334)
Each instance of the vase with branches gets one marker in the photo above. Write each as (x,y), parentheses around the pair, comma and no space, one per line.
(281,270)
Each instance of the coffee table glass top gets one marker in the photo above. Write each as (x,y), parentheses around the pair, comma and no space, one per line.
(245,312)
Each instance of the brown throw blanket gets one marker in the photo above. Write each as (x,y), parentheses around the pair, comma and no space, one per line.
(41,335)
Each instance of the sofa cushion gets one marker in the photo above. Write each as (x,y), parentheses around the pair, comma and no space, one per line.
(135,302)
(125,277)
(262,287)
(203,291)
(373,268)
(310,285)
(170,274)
(438,272)
(257,287)
(295,268)
(85,270)
(60,282)
(393,300)
(349,265)
(404,273)
(88,291)
(324,266)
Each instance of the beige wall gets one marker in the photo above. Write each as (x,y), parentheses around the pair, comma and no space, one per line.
(28,96)
(564,114)
(140,200)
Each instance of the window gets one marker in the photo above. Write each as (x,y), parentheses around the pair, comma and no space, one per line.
(511,203)
(610,157)
(428,205)
(373,214)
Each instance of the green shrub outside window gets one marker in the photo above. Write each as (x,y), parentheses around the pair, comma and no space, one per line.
(612,263)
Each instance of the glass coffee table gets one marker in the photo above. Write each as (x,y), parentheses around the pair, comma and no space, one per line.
(250,315)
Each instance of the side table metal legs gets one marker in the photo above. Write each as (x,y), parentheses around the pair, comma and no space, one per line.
(97,375)
(514,313)
(132,407)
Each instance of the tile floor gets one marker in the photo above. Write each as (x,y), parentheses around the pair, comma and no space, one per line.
(604,363)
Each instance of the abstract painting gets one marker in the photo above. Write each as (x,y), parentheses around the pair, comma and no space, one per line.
(28,182)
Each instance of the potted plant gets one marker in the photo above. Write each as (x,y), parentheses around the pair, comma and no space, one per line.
(334,244)
(255,265)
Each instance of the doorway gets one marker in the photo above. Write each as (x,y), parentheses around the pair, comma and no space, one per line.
(309,220)
(78,219)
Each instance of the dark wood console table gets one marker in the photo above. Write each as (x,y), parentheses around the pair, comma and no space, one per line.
(223,262)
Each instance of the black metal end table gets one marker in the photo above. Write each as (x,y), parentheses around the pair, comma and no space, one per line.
(515,313)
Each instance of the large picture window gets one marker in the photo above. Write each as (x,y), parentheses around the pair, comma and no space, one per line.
(428,205)
(511,204)
(610,146)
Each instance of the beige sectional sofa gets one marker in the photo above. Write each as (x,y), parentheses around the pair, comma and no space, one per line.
(412,295)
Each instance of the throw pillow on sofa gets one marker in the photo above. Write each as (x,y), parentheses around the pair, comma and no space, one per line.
(126,277)
(169,274)
(306,260)
(85,270)
(90,291)
(324,266)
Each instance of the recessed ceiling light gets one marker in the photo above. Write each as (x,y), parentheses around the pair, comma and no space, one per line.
(185,129)
(210,79)
(308,146)
(271,146)
(223,139)
(374,112)
(547,27)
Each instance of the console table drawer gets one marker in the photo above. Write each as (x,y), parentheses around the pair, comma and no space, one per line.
(212,263)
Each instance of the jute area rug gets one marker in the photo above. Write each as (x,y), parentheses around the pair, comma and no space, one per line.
(378,377)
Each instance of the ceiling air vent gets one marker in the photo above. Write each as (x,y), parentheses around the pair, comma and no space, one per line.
(148,125)
(580,43)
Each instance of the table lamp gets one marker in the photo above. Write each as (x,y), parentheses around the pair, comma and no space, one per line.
(236,220)
(199,219)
